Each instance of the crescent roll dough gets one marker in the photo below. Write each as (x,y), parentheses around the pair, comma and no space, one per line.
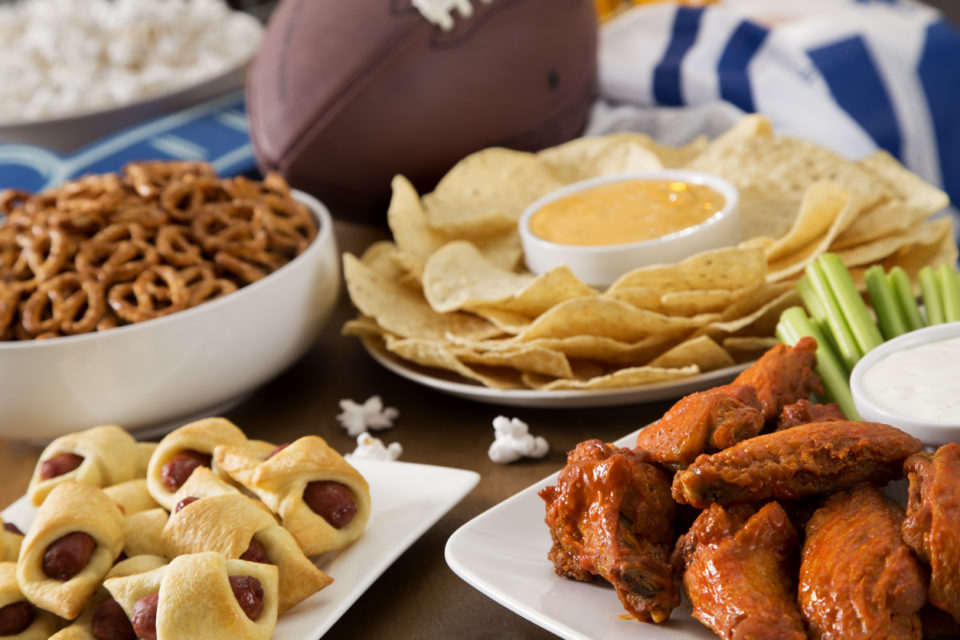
(81,629)
(70,507)
(201,436)
(9,544)
(280,481)
(227,523)
(144,530)
(196,600)
(110,455)
(131,496)
(43,623)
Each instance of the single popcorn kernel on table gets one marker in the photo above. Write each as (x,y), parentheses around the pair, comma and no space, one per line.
(512,441)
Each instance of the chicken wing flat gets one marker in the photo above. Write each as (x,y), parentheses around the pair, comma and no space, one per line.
(702,422)
(783,375)
(611,514)
(804,412)
(857,577)
(932,526)
(807,460)
(740,572)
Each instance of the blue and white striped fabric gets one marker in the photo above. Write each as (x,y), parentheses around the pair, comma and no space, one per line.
(853,76)
(216,131)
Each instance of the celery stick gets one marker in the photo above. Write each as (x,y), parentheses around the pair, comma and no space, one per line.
(932,298)
(950,289)
(903,289)
(818,314)
(851,303)
(847,347)
(792,326)
(884,302)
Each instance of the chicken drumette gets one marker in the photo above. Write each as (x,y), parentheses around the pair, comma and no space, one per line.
(702,422)
(932,526)
(783,375)
(857,577)
(800,462)
(740,572)
(611,514)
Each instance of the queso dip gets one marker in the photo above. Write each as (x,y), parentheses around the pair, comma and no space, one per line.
(915,382)
(626,211)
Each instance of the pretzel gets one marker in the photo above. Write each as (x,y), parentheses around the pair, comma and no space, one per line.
(237,225)
(68,303)
(123,248)
(150,178)
(249,266)
(182,197)
(157,291)
(117,253)
(177,247)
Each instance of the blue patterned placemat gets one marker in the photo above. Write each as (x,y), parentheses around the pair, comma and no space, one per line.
(216,132)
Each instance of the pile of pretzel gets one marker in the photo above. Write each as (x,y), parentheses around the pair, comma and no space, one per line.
(108,250)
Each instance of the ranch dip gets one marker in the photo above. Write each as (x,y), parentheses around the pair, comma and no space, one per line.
(915,381)
(625,211)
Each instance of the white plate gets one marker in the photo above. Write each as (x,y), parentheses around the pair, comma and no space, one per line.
(503,554)
(407,499)
(455,385)
(68,133)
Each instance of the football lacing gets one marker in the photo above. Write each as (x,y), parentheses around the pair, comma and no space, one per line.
(439,12)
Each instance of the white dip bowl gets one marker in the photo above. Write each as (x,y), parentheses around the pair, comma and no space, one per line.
(887,396)
(601,265)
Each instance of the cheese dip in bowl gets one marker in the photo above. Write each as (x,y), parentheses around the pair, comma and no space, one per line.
(603,227)
(913,383)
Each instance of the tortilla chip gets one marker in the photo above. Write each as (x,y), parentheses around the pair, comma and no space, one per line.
(532,358)
(729,268)
(589,157)
(437,354)
(457,275)
(928,233)
(402,311)
(746,348)
(628,377)
(487,191)
(701,351)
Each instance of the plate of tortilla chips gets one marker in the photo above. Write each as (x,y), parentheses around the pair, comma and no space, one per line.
(448,301)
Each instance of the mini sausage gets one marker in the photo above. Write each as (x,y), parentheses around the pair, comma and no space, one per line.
(277,450)
(183,503)
(15,617)
(255,553)
(145,616)
(176,471)
(59,465)
(68,555)
(249,594)
(111,623)
(332,501)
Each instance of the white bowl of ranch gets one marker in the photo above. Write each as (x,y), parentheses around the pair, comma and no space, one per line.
(606,226)
(913,383)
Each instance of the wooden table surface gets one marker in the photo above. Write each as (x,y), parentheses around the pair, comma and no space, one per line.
(418,596)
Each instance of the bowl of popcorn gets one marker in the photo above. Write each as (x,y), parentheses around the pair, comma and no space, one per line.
(155,294)
(74,72)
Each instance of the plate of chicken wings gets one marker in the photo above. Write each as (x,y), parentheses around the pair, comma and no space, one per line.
(747,511)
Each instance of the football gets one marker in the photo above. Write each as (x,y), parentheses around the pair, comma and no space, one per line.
(345,94)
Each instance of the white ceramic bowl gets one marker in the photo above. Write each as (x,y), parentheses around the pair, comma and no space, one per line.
(602,265)
(931,432)
(161,372)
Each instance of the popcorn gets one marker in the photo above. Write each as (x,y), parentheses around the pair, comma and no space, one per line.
(370,448)
(63,57)
(358,418)
(513,441)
